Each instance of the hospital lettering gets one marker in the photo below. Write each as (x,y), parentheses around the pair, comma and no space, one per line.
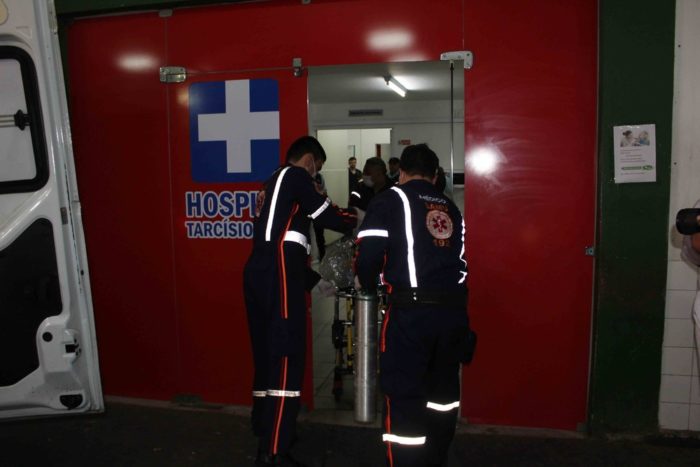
(213,214)
(219,229)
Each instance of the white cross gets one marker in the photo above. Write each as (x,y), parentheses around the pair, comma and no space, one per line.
(238,126)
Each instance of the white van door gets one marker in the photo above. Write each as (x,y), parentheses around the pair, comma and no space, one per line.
(48,352)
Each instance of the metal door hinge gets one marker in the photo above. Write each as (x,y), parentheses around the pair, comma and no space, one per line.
(465,55)
(297,67)
(64,216)
(173,74)
(590,251)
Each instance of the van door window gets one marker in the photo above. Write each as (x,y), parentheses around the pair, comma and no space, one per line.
(23,157)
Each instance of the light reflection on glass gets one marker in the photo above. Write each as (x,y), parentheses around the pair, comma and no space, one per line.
(390,39)
(484,160)
(137,62)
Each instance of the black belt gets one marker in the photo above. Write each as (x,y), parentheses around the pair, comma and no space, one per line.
(426,297)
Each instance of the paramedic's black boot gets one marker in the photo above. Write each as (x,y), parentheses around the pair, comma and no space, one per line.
(278,460)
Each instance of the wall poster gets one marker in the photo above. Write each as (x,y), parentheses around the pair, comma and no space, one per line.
(635,153)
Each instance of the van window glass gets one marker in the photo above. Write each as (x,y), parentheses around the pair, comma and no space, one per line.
(23,159)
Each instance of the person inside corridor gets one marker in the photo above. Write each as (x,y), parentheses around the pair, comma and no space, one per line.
(276,278)
(412,238)
(393,170)
(354,175)
(441,180)
(374,181)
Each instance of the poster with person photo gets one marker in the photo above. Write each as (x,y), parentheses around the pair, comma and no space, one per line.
(635,153)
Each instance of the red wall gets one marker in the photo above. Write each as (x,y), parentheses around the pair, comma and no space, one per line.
(169,310)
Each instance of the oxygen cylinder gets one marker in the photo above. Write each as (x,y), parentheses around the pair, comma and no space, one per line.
(366,308)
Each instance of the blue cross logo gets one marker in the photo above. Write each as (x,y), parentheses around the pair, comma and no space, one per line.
(234,130)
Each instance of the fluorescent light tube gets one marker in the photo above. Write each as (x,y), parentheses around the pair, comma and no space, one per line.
(395,86)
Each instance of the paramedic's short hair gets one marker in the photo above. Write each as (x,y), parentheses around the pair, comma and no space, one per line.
(419,159)
(304,145)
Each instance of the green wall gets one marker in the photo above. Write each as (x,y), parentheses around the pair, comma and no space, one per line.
(83,7)
(636,87)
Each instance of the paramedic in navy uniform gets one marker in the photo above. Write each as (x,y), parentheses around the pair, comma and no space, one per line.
(276,279)
(414,236)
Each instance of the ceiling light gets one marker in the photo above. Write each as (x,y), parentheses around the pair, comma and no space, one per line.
(395,86)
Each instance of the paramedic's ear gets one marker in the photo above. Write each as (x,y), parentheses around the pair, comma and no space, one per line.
(402,176)
(307,161)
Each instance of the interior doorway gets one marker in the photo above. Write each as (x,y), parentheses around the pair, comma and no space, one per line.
(342,144)
(353,111)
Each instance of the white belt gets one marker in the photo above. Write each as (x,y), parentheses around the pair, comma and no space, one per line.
(296,237)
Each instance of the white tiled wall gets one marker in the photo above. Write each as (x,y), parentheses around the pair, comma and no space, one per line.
(679,399)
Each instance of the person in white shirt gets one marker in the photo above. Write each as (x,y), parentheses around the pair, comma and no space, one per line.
(691,252)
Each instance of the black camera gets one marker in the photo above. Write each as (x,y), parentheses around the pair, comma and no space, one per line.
(688,221)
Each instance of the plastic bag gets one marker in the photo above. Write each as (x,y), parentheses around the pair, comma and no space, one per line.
(336,265)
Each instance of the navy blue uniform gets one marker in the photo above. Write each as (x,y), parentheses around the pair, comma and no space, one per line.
(354,180)
(276,278)
(413,239)
(362,195)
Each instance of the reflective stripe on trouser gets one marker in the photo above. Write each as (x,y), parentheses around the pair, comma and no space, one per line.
(279,345)
(442,407)
(421,384)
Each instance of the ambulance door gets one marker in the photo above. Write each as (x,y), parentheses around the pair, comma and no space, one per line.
(48,354)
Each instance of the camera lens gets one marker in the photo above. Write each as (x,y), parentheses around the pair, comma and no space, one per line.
(687,221)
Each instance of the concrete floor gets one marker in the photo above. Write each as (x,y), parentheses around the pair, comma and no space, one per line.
(153,436)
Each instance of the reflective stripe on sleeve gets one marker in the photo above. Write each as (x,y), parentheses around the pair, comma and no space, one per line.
(405,440)
(443,407)
(373,233)
(320,210)
(273,205)
(354,193)
(409,236)
(259,393)
(280,393)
